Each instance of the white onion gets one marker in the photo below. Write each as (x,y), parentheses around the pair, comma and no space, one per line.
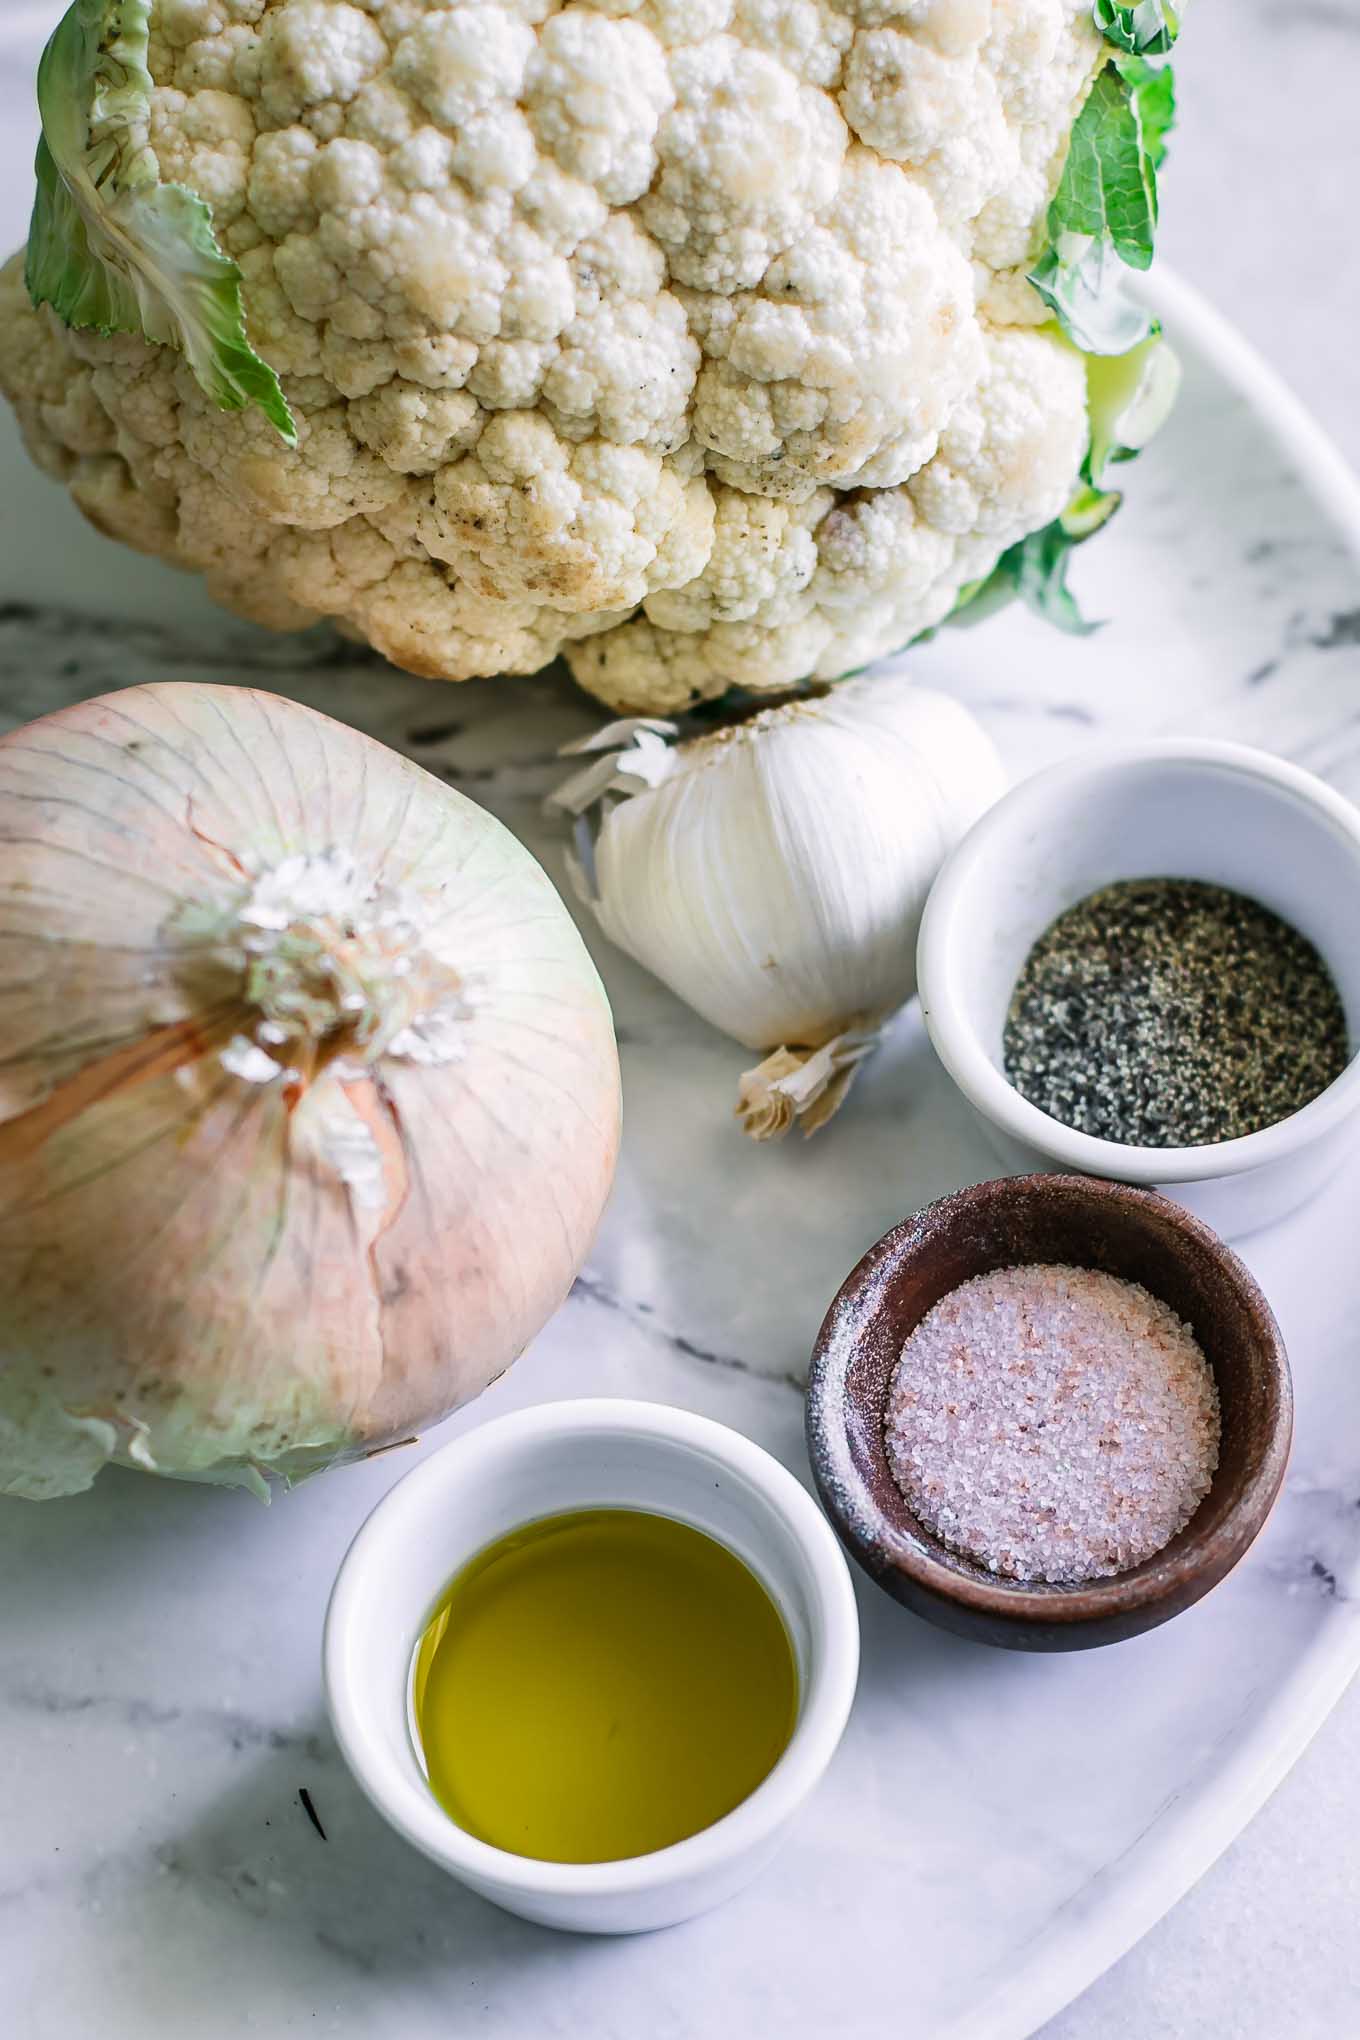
(309,1097)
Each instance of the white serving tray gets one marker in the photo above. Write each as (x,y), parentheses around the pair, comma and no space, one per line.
(996,1829)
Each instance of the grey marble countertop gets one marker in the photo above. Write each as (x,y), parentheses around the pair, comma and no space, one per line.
(1259,214)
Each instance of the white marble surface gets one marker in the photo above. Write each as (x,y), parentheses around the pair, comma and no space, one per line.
(159,1703)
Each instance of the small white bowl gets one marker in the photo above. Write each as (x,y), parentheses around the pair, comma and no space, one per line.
(539,1462)
(1176,809)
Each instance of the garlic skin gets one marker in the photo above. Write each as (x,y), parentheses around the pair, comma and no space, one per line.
(309,1099)
(775,873)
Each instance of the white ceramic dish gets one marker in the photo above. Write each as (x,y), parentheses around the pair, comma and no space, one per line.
(1219,812)
(577,1455)
(159,1693)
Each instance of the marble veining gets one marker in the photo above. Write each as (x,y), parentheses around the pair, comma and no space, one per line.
(991,1820)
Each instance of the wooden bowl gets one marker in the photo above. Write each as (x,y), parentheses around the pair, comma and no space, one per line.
(1136,1234)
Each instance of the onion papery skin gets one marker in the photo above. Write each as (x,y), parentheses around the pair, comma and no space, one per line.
(228,1249)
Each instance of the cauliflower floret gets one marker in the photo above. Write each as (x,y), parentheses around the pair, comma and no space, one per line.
(417,431)
(848,361)
(749,156)
(807,38)
(690,338)
(312,58)
(585,527)
(596,92)
(844,580)
(763,556)
(659,672)
(1012,448)
(46,383)
(939,115)
(205,140)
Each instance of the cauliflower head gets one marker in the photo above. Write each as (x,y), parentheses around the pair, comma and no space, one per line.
(688,338)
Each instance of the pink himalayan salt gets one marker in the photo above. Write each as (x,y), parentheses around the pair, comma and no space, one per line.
(1053,1423)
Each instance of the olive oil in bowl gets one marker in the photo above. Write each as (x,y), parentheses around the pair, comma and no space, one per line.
(600,1684)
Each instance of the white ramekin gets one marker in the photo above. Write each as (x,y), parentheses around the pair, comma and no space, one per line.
(534,1463)
(1184,809)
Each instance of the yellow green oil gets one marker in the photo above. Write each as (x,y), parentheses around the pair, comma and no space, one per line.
(600,1684)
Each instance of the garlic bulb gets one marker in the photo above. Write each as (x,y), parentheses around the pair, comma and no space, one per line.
(309,1097)
(773,873)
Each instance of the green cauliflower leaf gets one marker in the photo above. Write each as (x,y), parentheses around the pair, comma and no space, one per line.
(1146,29)
(1103,217)
(1035,569)
(112,247)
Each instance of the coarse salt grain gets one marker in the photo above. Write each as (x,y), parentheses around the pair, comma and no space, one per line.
(1053,1423)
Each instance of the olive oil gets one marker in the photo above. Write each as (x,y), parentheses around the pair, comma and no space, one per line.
(600,1684)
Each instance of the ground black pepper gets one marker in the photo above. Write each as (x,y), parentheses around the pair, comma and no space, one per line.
(1163,1012)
